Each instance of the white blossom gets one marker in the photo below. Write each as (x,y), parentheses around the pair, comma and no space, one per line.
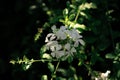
(75,35)
(61,34)
(50,44)
(67,46)
(50,37)
(54,29)
(63,41)
(101,75)
(71,51)
(79,41)
(58,54)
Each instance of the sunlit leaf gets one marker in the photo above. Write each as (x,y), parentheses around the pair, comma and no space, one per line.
(47,56)
(110,56)
(65,12)
(44,77)
(72,16)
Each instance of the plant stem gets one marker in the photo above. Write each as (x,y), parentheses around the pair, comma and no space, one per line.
(55,69)
(78,12)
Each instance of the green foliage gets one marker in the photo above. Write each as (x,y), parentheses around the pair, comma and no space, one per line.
(94,21)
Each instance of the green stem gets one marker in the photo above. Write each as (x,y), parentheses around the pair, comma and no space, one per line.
(55,69)
(78,12)
(44,60)
(22,61)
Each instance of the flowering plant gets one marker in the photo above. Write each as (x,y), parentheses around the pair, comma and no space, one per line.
(63,41)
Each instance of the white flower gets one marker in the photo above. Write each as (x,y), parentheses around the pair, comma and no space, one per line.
(63,41)
(50,37)
(79,41)
(67,46)
(102,76)
(63,28)
(58,54)
(75,35)
(55,47)
(54,29)
(50,44)
(61,35)
(71,51)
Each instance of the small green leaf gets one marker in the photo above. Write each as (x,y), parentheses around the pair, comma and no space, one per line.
(71,17)
(46,56)
(44,77)
(65,12)
(70,59)
(62,71)
(118,73)
(80,63)
(51,67)
(110,56)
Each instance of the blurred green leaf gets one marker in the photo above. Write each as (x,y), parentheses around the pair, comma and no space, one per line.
(72,16)
(110,56)
(65,12)
(51,67)
(70,59)
(44,77)
(62,71)
(46,56)
(118,73)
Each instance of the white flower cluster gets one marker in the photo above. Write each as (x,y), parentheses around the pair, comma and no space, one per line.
(63,41)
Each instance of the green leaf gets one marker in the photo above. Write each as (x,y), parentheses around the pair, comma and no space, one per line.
(51,67)
(70,59)
(118,73)
(44,77)
(110,56)
(65,12)
(95,57)
(62,71)
(71,17)
(46,56)
(26,66)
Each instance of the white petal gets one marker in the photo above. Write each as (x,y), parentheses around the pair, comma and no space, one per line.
(49,35)
(52,48)
(73,50)
(58,47)
(81,42)
(46,39)
(61,35)
(52,37)
(53,28)
(67,46)
(51,43)
(53,54)
(76,44)
(60,54)
(62,28)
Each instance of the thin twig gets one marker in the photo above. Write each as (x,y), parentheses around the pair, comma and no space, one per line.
(55,69)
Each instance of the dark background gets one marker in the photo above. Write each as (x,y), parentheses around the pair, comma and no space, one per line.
(18,27)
